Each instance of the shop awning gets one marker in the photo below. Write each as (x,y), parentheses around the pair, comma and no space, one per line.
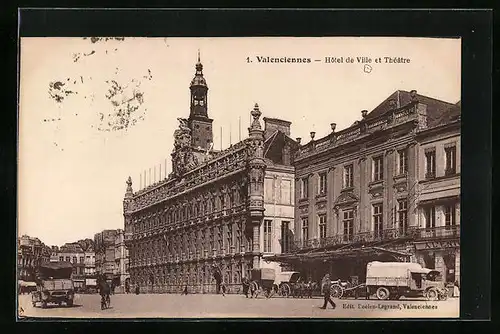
(27,284)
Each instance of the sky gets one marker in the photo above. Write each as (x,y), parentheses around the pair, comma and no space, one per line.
(93,112)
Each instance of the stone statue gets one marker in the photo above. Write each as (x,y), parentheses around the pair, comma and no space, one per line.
(182,135)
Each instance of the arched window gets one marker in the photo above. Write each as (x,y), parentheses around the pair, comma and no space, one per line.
(222,202)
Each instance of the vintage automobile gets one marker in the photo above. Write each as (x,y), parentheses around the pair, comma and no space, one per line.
(54,284)
(392,280)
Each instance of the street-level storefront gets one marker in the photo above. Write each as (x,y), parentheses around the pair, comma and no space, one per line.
(442,255)
(347,263)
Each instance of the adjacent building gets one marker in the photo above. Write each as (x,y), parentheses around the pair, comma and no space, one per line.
(31,252)
(104,248)
(217,209)
(73,253)
(121,270)
(111,257)
(90,271)
(386,188)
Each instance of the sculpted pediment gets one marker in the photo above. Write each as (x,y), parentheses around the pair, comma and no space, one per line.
(345,199)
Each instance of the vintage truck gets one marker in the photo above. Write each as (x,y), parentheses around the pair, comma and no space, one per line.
(54,284)
(392,280)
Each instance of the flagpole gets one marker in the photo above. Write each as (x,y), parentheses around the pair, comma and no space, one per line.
(230,140)
(239,128)
(140,183)
(221,138)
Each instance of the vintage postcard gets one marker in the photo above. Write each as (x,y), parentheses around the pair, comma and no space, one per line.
(239,177)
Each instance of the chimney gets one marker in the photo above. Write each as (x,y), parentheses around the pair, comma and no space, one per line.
(333,126)
(364,113)
(298,139)
(273,124)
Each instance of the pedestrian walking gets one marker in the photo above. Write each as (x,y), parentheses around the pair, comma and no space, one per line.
(137,290)
(326,284)
(246,286)
(185,291)
(223,289)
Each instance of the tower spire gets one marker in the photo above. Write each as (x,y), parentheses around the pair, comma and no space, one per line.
(198,122)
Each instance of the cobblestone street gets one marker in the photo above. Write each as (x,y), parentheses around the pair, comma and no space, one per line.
(235,306)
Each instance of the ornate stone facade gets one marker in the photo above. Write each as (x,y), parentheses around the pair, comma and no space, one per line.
(383,182)
(207,214)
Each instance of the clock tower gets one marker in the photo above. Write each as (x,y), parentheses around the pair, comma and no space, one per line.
(199,123)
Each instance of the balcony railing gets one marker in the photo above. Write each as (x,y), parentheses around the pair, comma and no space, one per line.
(360,129)
(410,233)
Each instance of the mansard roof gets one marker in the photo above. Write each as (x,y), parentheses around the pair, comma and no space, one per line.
(435,108)
(274,145)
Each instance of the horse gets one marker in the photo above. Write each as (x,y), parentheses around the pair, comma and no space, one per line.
(310,287)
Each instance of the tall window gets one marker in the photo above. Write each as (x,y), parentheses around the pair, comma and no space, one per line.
(430,217)
(82,259)
(403,216)
(229,237)
(286,186)
(449,215)
(239,237)
(322,183)
(402,161)
(220,238)
(305,231)
(322,226)
(74,259)
(348,222)
(348,176)
(430,164)
(451,160)
(304,188)
(222,202)
(285,240)
(212,239)
(378,222)
(269,189)
(378,168)
(61,258)
(267,235)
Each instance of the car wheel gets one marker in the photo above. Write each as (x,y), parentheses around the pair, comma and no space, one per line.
(382,293)
(432,294)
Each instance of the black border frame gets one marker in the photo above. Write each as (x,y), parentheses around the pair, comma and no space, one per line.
(473,26)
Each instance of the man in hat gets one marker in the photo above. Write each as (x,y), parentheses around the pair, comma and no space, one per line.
(326,285)
(246,286)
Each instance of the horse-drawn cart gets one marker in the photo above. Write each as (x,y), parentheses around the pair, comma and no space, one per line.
(262,281)
(344,289)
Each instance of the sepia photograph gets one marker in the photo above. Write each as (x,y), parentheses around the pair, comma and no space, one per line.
(239,177)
